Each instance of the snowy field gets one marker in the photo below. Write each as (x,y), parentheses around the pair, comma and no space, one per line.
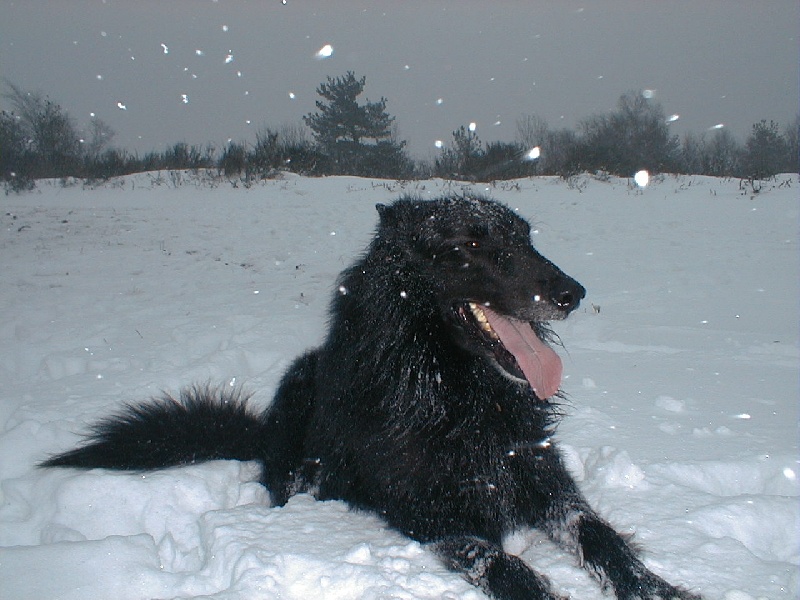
(682,368)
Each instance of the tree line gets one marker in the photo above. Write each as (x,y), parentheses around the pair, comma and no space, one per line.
(39,139)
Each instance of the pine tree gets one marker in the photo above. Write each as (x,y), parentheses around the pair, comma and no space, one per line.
(464,159)
(357,139)
(765,151)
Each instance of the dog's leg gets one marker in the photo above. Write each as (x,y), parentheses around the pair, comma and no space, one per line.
(485,565)
(285,424)
(603,552)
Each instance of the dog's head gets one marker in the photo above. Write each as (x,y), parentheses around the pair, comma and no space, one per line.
(491,285)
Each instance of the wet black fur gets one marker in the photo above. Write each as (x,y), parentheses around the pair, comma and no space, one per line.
(402,410)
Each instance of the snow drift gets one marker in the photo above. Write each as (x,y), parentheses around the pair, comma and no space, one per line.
(682,372)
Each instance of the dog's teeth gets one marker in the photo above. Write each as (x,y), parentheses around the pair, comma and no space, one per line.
(480,317)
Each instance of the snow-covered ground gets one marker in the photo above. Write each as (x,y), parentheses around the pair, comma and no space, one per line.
(682,367)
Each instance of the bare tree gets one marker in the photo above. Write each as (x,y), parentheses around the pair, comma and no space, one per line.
(723,154)
(532,131)
(635,136)
(53,141)
(293,135)
(694,154)
(98,137)
(792,135)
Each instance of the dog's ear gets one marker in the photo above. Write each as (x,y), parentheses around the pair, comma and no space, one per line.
(384,212)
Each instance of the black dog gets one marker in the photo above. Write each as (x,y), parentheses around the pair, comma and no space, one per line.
(429,403)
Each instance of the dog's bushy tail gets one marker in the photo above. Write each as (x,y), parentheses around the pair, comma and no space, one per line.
(204,423)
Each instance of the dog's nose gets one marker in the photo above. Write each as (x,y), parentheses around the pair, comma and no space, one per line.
(567,294)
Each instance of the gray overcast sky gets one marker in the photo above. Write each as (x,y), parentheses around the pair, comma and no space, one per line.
(208,71)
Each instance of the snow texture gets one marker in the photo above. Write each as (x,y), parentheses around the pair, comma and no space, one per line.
(682,368)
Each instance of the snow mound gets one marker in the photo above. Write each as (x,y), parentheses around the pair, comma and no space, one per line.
(682,371)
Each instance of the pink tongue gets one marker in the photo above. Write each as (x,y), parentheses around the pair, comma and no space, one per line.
(541,366)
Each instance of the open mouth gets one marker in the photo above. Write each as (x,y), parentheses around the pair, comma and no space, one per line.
(515,347)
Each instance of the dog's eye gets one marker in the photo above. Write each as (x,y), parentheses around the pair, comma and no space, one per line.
(472,244)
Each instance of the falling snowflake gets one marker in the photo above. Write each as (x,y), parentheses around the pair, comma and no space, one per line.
(325,52)
(642,178)
(533,153)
